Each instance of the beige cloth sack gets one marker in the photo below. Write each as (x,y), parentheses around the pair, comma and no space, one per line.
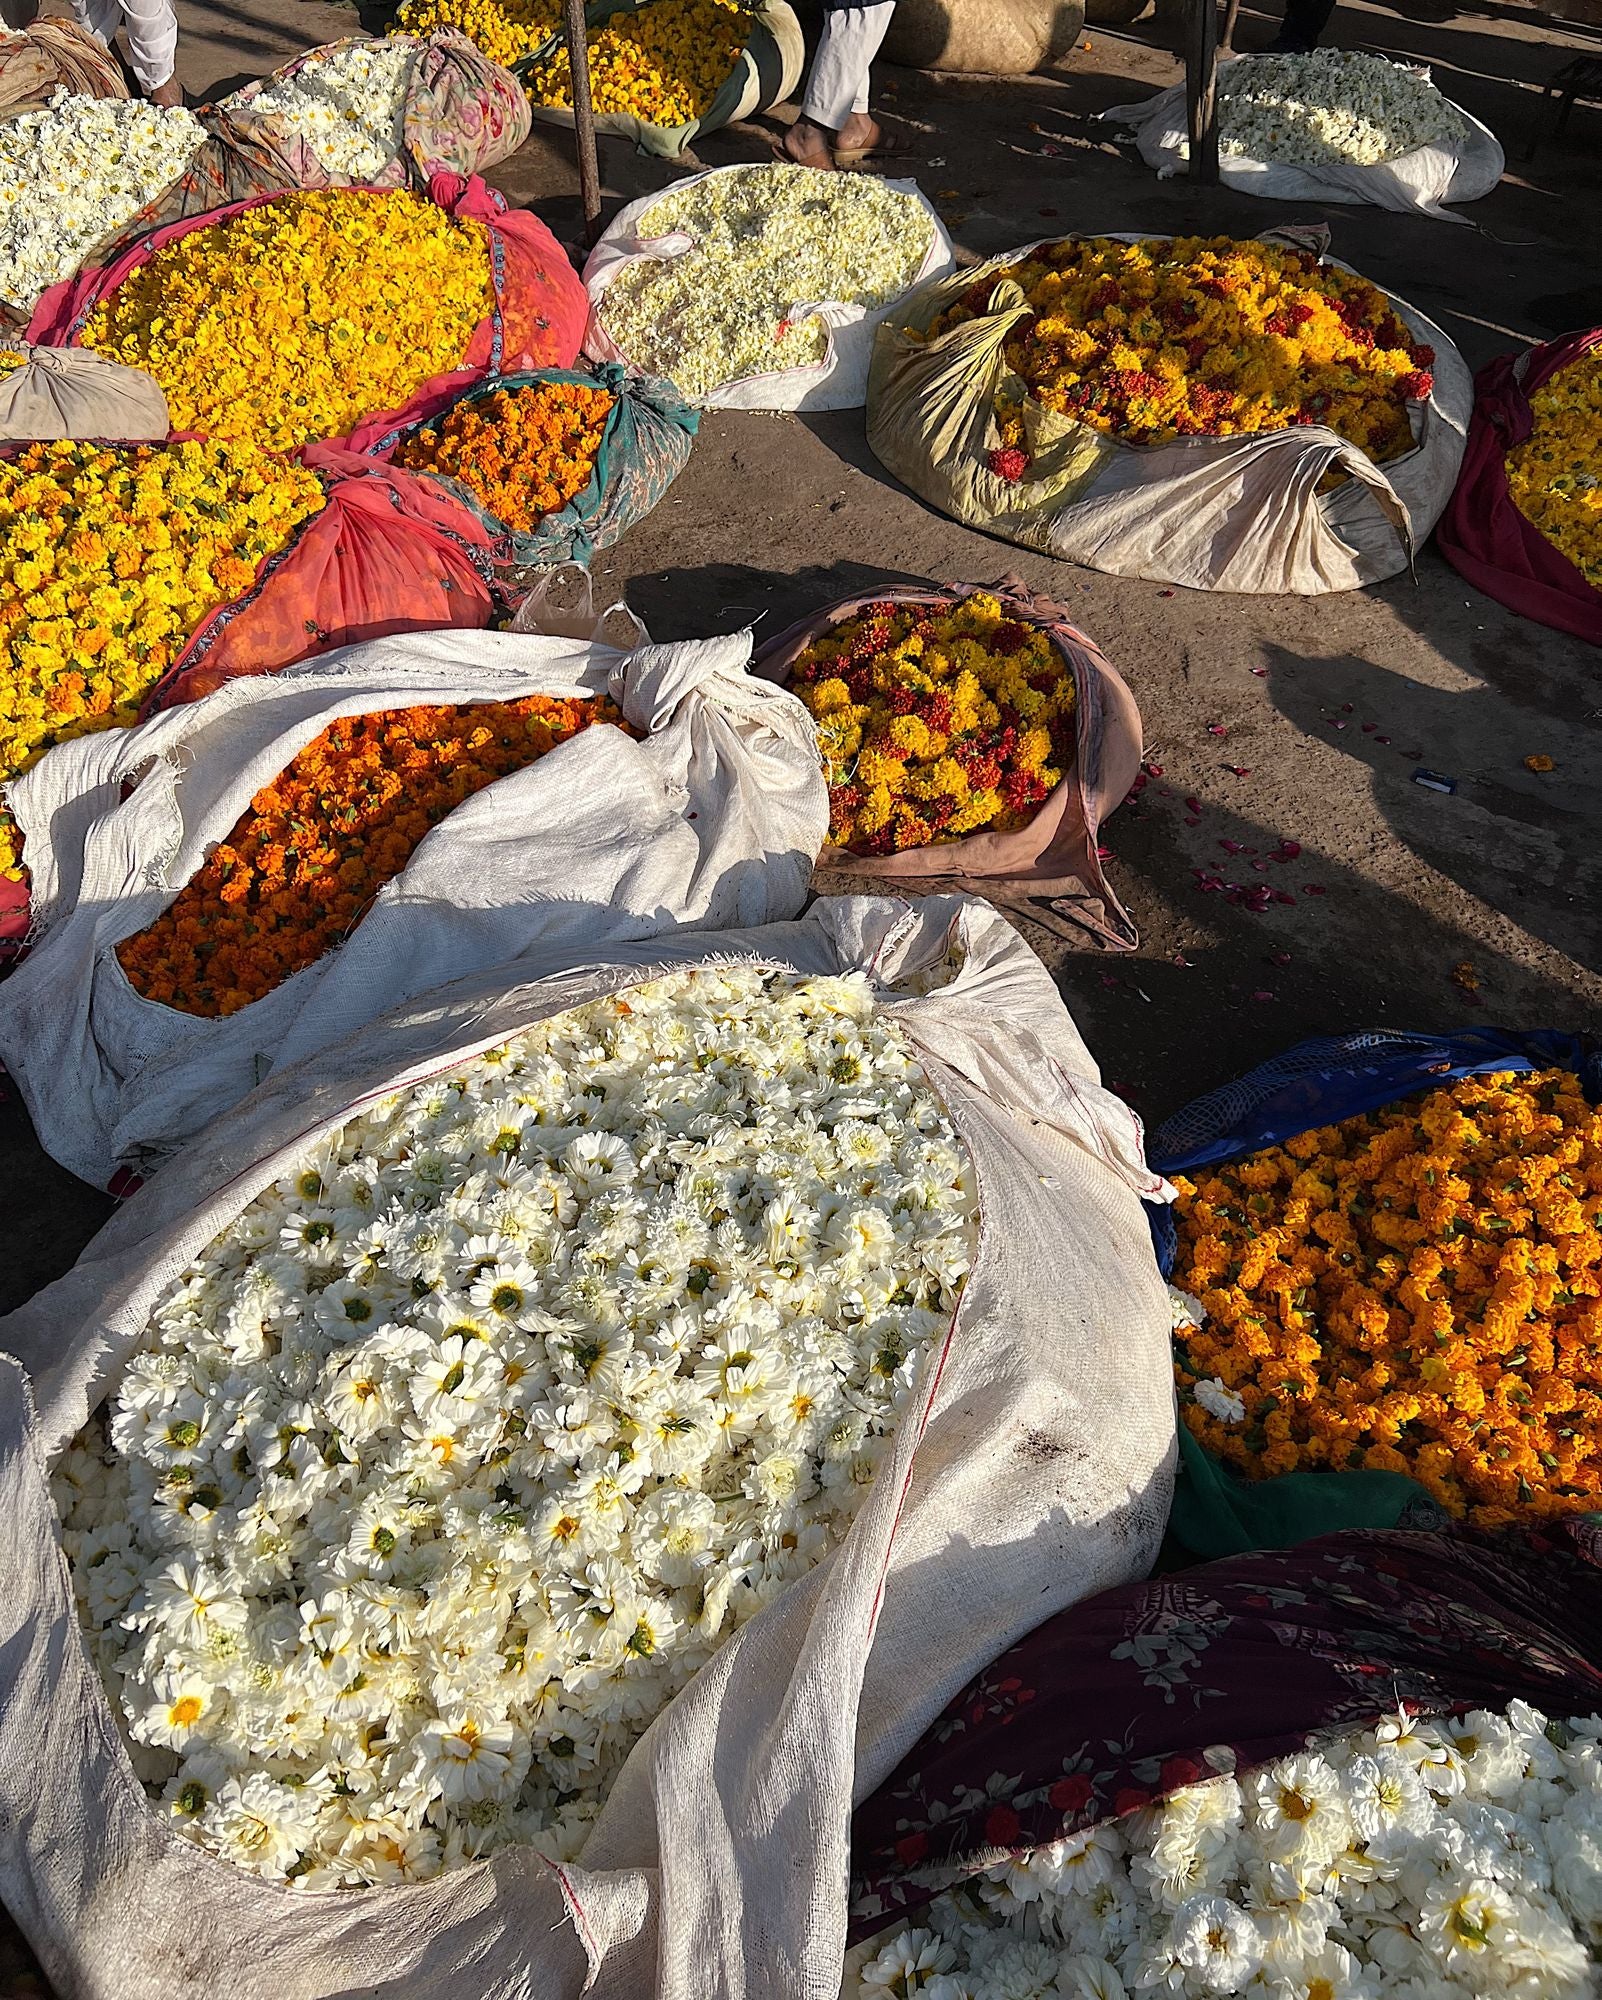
(71,392)
(54,55)
(983,37)
(1227,513)
(1033,1468)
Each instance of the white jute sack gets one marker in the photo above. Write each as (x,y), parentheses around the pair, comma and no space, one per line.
(1415,182)
(713,818)
(1033,1468)
(70,392)
(1207,513)
(838,382)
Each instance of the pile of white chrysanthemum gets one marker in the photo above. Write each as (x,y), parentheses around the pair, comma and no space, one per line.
(1456,1860)
(349,105)
(766,240)
(457,1454)
(1331,107)
(74,171)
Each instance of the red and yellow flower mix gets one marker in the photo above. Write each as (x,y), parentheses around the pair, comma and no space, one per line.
(522,452)
(936,722)
(1419,1290)
(1203,337)
(109,561)
(317,844)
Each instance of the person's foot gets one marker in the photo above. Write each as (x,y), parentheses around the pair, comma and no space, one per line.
(169,95)
(859,134)
(809,145)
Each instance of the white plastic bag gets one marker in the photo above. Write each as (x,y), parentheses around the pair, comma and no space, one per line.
(1419,181)
(1033,1468)
(838,382)
(714,818)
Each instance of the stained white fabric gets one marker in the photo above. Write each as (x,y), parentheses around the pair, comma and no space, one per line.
(1033,1468)
(713,818)
(837,83)
(72,392)
(152,27)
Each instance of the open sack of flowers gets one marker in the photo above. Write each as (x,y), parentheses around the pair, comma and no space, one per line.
(266,559)
(761,287)
(970,734)
(48,394)
(387,111)
(1523,524)
(424,296)
(662,72)
(1004,398)
(236,884)
(1364,1767)
(557,463)
(1332,125)
(1388,1246)
(619,1486)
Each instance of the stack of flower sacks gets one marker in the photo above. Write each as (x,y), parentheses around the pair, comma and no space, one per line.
(528,1467)
(1525,523)
(419,298)
(968,734)
(1251,416)
(1388,1259)
(662,72)
(238,883)
(557,462)
(1333,125)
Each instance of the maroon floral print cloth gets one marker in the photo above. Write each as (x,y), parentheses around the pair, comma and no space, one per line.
(1117,1701)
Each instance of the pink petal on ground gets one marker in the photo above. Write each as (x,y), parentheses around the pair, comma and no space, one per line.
(1217,729)
(1314,889)
(1239,770)
(1262,993)
(1193,805)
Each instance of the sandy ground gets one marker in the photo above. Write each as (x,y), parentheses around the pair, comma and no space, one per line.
(1403,896)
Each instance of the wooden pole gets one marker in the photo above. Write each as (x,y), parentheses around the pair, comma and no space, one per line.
(578,58)
(1226,38)
(1201,90)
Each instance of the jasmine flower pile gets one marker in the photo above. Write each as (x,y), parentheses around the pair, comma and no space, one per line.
(1331,107)
(1452,1860)
(73,172)
(766,240)
(349,105)
(456,1455)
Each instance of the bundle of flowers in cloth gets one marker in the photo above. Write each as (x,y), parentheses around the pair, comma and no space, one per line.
(1389,1264)
(149,574)
(386,112)
(1341,1772)
(51,393)
(1332,125)
(557,1343)
(1221,414)
(559,463)
(236,884)
(54,55)
(1525,523)
(967,733)
(662,72)
(760,287)
(74,172)
(289,318)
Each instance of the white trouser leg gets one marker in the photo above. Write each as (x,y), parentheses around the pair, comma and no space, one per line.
(838,84)
(152,33)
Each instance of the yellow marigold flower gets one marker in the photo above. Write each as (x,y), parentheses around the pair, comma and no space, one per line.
(664,63)
(1555,476)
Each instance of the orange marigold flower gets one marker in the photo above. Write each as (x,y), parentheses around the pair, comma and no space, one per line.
(523,452)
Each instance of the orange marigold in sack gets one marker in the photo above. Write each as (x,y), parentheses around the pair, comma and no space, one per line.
(1418,1290)
(317,844)
(523,452)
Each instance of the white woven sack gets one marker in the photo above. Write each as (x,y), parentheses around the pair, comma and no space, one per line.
(71,392)
(1034,1467)
(713,819)
(1418,182)
(838,382)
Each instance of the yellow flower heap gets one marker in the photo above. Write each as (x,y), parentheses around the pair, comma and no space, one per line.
(1416,1290)
(506,30)
(936,723)
(1205,336)
(663,64)
(1555,476)
(297,318)
(109,560)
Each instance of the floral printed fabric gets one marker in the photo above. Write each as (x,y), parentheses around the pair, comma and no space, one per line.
(1129,1696)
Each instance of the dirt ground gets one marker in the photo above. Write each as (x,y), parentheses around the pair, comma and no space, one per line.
(1285,719)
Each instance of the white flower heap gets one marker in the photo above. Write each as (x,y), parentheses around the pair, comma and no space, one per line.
(73,172)
(348,105)
(767,239)
(1455,1860)
(1331,107)
(449,1463)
